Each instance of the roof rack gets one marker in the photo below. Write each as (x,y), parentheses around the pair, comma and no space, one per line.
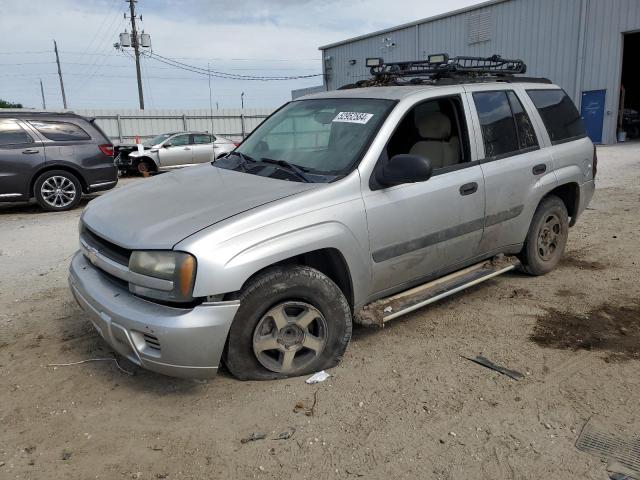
(442,70)
(441,65)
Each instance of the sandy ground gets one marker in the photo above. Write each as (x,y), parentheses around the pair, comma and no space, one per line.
(402,404)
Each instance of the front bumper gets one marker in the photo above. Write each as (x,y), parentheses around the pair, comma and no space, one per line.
(180,342)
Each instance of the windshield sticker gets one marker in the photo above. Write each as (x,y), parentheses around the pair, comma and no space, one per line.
(353,117)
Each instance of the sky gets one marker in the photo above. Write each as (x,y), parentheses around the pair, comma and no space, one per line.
(246,37)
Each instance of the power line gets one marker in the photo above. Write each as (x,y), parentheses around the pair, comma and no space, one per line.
(219,74)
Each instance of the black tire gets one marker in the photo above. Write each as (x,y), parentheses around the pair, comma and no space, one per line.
(48,180)
(287,285)
(145,167)
(544,246)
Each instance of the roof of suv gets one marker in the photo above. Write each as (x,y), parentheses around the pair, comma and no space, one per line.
(35,113)
(398,92)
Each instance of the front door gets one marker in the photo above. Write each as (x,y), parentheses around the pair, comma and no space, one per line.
(179,152)
(419,229)
(593,103)
(20,155)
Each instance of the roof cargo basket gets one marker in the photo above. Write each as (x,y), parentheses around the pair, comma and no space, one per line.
(441,65)
(440,69)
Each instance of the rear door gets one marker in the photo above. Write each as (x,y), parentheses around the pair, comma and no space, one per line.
(179,152)
(516,169)
(20,155)
(202,147)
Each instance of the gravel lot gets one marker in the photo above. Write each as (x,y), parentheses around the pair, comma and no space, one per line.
(403,402)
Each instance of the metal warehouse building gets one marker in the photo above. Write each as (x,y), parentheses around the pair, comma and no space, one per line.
(588,47)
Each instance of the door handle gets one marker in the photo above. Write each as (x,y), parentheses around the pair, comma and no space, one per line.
(468,188)
(539,169)
(187,148)
(30,151)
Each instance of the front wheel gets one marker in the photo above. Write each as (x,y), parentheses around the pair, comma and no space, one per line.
(546,238)
(291,321)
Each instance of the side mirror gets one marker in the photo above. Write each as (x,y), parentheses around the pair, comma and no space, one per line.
(166,145)
(404,169)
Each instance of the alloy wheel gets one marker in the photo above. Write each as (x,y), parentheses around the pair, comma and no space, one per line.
(549,237)
(58,191)
(289,337)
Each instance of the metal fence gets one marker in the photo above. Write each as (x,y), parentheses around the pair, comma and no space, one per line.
(124,126)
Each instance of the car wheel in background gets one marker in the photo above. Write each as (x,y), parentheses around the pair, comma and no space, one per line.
(57,190)
(547,237)
(292,321)
(145,167)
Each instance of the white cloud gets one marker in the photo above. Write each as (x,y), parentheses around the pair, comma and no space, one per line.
(275,37)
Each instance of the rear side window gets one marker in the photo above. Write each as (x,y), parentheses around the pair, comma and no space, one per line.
(498,128)
(526,134)
(60,131)
(200,138)
(559,114)
(12,134)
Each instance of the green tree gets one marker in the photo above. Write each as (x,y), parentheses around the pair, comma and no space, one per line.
(6,104)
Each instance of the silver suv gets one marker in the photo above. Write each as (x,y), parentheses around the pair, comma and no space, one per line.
(351,205)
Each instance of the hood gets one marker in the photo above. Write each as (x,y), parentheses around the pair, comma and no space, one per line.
(158,212)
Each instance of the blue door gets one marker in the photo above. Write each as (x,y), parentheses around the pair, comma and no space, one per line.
(593,113)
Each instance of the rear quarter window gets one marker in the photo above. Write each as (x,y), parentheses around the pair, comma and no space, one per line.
(560,116)
(60,131)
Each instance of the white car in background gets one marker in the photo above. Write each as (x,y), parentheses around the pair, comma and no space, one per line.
(178,149)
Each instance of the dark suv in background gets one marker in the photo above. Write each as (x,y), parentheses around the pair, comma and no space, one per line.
(54,157)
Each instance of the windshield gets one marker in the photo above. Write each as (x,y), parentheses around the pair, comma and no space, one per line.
(150,142)
(310,140)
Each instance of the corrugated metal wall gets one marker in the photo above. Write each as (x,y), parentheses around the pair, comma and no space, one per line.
(147,123)
(544,33)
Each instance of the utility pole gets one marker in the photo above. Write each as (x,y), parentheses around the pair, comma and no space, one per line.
(44,104)
(64,97)
(136,49)
(210,96)
(242,100)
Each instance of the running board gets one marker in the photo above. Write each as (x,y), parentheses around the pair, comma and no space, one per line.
(381,311)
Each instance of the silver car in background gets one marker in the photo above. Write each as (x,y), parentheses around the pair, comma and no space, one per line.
(178,149)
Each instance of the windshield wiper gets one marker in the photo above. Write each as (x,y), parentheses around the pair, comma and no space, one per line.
(244,159)
(290,167)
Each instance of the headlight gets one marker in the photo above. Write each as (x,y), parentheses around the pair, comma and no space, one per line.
(177,267)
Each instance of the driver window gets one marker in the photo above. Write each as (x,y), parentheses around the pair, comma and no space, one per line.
(435,129)
(179,140)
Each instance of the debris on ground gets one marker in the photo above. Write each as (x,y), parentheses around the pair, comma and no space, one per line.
(66,455)
(286,435)
(317,377)
(253,437)
(110,359)
(492,366)
(301,406)
(601,439)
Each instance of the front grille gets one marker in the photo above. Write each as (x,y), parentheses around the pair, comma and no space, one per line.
(105,247)
(151,341)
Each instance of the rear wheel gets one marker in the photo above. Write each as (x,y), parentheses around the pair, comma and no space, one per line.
(546,238)
(57,190)
(291,321)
